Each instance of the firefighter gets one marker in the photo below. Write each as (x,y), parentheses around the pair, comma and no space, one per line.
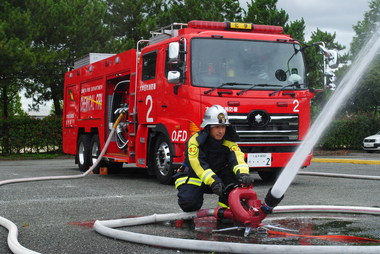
(212,161)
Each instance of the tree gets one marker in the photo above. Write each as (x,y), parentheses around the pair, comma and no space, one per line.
(212,10)
(16,55)
(14,107)
(64,31)
(296,29)
(365,28)
(367,97)
(265,12)
(131,21)
(232,10)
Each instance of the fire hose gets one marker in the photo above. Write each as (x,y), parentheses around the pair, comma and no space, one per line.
(251,216)
(46,178)
(107,228)
(13,243)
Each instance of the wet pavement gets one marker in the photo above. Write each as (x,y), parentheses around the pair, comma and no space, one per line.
(57,216)
(347,154)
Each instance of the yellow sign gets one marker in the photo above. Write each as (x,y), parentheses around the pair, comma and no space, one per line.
(244,26)
(71,95)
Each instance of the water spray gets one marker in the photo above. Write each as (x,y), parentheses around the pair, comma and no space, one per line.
(347,85)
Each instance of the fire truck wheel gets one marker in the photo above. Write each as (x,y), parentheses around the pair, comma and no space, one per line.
(95,151)
(84,152)
(162,160)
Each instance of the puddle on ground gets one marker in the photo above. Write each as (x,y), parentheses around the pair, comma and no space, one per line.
(303,229)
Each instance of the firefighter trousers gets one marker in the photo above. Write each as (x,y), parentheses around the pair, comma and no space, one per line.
(191,191)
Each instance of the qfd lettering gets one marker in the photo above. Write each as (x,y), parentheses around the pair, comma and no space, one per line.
(180,135)
(91,102)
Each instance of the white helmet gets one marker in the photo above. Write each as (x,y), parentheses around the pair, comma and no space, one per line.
(215,114)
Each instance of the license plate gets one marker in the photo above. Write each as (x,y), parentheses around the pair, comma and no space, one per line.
(368,145)
(259,160)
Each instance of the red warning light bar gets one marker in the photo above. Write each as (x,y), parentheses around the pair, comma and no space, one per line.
(214,25)
(267,29)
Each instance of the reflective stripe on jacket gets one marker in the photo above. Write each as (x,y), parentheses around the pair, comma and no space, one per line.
(206,156)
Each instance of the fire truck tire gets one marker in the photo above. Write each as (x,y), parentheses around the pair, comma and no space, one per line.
(113,167)
(270,176)
(162,160)
(84,152)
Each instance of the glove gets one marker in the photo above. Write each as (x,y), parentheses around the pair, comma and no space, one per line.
(218,188)
(245,179)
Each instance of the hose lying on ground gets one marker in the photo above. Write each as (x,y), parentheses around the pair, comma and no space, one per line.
(13,243)
(47,178)
(107,228)
(362,177)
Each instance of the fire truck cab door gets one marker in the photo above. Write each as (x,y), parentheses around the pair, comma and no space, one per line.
(147,88)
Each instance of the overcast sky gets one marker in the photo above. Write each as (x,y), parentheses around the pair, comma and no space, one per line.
(328,15)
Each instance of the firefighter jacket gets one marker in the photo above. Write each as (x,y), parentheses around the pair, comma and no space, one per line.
(206,157)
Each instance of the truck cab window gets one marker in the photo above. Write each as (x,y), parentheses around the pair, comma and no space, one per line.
(149,66)
(242,62)
(168,66)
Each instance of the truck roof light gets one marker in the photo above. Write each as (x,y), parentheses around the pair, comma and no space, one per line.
(207,25)
(213,25)
(267,29)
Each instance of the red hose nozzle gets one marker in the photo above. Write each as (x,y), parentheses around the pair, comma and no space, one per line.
(245,207)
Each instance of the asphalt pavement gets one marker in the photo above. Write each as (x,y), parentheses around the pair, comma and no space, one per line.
(353,157)
(57,216)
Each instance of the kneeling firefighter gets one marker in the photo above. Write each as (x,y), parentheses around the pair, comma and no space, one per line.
(212,161)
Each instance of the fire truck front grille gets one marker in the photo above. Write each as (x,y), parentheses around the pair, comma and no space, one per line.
(280,128)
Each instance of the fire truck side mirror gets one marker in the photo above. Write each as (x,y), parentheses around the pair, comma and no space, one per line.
(173,51)
(173,77)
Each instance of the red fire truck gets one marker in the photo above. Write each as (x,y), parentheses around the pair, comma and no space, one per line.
(254,71)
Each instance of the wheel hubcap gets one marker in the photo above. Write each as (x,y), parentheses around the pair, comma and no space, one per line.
(81,153)
(163,158)
(94,153)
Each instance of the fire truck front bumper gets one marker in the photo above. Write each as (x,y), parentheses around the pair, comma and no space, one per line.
(270,156)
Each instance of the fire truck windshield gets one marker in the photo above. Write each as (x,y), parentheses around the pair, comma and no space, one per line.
(258,65)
